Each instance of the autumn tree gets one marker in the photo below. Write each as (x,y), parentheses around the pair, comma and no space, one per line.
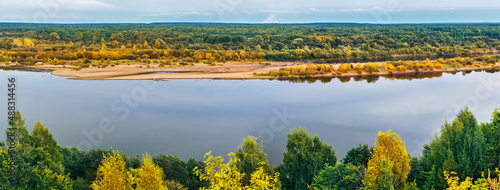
(149,175)
(227,176)
(112,174)
(389,147)
(157,44)
(454,184)
(344,68)
(54,36)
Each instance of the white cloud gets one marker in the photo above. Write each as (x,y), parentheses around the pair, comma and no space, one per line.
(356,10)
(59,5)
(182,13)
(270,19)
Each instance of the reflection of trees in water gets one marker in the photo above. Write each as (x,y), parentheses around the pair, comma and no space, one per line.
(492,70)
(414,76)
(308,80)
(373,79)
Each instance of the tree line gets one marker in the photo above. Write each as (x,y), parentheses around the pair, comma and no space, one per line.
(385,67)
(465,155)
(77,44)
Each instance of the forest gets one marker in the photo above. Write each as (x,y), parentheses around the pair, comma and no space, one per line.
(182,44)
(464,155)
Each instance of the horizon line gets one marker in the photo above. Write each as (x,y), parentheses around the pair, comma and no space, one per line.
(241,23)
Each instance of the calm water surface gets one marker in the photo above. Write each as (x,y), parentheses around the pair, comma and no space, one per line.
(188,118)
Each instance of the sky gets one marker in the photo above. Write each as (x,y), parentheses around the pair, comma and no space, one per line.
(249,11)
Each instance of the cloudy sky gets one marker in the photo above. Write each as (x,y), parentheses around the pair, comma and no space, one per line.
(249,11)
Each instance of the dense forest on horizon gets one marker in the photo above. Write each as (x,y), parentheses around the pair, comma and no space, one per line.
(188,43)
(465,155)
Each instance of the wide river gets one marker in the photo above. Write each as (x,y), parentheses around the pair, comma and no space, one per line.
(188,118)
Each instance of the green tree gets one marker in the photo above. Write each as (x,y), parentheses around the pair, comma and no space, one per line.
(250,157)
(193,181)
(358,156)
(173,167)
(304,158)
(43,139)
(37,165)
(491,131)
(460,146)
(341,177)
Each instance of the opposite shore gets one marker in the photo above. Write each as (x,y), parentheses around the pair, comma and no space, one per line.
(232,70)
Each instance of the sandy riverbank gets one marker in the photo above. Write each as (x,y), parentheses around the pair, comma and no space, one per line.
(200,71)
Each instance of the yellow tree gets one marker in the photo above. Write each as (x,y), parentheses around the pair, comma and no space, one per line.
(261,180)
(344,68)
(149,175)
(453,183)
(157,44)
(227,176)
(208,55)
(390,147)
(221,176)
(112,174)
(389,67)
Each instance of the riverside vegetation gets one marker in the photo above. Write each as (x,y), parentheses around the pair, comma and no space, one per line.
(390,67)
(464,155)
(184,44)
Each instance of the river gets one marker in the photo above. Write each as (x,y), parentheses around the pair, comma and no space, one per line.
(188,118)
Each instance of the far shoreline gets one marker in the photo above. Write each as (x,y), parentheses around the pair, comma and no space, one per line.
(228,71)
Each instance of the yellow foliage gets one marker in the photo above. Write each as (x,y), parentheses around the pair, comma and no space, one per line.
(149,175)
(389,67)
(200,56)
(208,55)
(401,68)
(344,68)
(112,174)
(221,176)
(453,182)
(227,176)
(301,68)
(390,147)
(18,43)
(358,67)
(28,43)
(261,180)
(311,67)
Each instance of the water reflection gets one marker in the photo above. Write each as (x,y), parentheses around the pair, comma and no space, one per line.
(373,79)
(188,118)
